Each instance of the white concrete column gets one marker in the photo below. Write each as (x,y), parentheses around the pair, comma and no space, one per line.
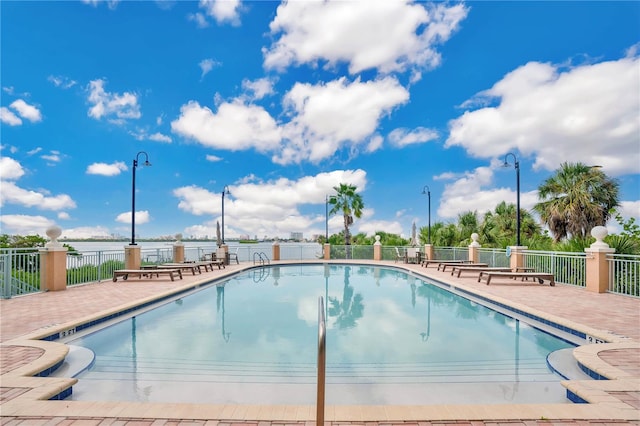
(474,255)
(597,267)
(377,249)
(53,262)
(516,256)
(132,257)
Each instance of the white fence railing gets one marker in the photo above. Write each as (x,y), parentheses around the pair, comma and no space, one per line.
(624,274)
(567,267)
(20,268)
(19,271)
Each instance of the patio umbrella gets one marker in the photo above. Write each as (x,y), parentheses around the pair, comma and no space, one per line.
(218,237)
(414,241)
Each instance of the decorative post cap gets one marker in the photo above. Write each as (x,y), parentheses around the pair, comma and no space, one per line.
(54,232)
(599,233)
(377,243)
(475,242)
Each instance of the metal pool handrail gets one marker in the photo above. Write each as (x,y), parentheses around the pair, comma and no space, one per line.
(322,355)
(262,258)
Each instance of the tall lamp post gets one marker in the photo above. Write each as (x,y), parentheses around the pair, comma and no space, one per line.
(427,191)
(516,164)
(326,218)
(133,194)
(225,191)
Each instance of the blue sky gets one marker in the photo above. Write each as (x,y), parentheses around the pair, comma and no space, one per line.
(283,101)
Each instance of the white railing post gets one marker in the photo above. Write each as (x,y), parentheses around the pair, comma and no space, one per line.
(597,267)
(53,262)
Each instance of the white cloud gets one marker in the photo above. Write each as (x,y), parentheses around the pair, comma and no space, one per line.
(198,201)
(257,207)
(222,10)
(53,157)
(259,88)
(105,169)
(629,209)
(206,65)
(159,137)
(19,224)
(12,194)
(113,106)
(111,4)
(235,126)
(26,111)
(142,217)
(34,151)
(142,134)
(85,232)
(213,158)
(61,81)
(404,137)
(370,227)
(551,114)
(326,117)
(63,216)
(10,169)
(8,117)
(374,144)
(387,35)
(474,192)
(12,149)
(199,19)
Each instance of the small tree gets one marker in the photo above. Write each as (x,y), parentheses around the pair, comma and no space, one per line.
(349,203)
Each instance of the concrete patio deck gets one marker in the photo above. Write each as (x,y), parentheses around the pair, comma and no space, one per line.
(607,317)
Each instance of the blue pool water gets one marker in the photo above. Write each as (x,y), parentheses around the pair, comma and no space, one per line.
(392,338)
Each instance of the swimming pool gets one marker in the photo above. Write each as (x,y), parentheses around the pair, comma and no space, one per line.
(392,338)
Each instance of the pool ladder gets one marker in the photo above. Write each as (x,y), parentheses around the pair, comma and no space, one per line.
(322,357)
(260,258)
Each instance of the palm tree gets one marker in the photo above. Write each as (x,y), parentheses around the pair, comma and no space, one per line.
(348,310)
(467,225)
(575,199)
(501,226)
(349,203)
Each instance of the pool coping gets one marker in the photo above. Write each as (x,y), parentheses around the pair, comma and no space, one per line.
(601,404)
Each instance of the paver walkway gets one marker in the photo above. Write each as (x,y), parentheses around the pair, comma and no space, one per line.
(605,316)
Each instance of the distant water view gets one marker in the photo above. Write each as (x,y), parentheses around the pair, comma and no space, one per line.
(288,250)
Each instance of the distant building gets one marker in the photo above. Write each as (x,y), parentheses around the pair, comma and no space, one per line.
(297,236)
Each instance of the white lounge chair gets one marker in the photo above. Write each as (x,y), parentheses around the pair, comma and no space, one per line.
(411,255)
(398,255)
(234,256)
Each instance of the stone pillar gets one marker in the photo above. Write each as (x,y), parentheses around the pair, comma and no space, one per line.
(327,251)
(53,262)
(178,249)
(276,250)
(474,254)
(516,256)
(178,252)
(428,252)
(597,267)
(132,258)
(225,248)
(377,249)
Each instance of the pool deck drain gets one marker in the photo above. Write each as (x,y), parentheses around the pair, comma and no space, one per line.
(608,317)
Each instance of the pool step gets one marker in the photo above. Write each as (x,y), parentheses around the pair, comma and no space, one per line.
(229,371)
(564,363)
